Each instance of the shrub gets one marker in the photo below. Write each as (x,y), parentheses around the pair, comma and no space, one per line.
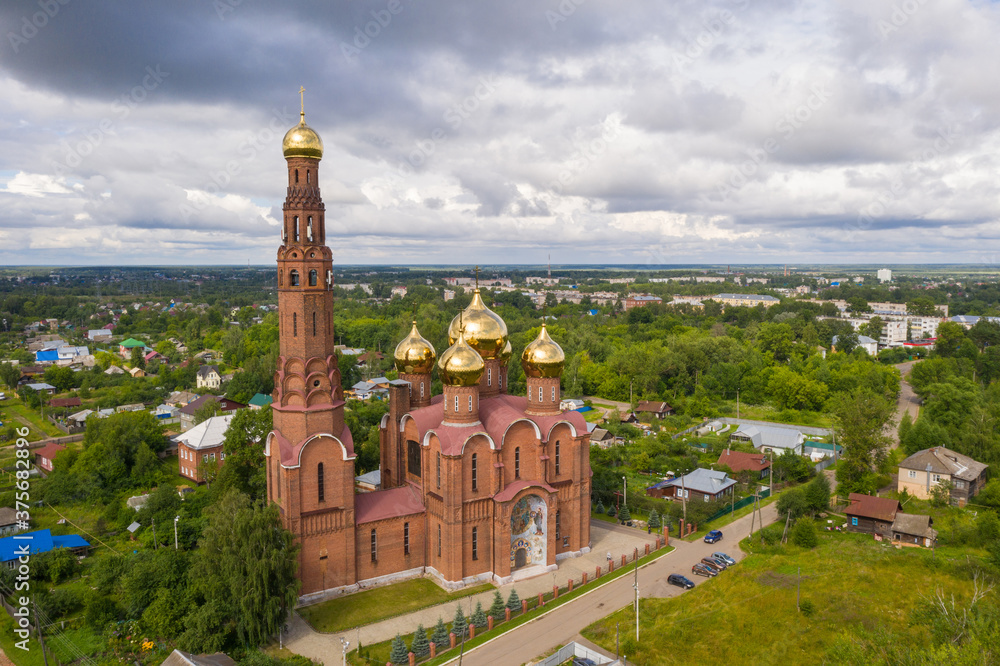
(804,534)
(513,602)
(807,607)
(479,616)
(600,507)
(459,625)
(440,636)
(497,608)
(654,520)
(625,516)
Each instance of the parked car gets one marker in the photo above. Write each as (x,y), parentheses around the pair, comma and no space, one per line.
(725,558)
(703,570)
(583,661)
(708,562)
(713,536)
(679,581)
(719,561)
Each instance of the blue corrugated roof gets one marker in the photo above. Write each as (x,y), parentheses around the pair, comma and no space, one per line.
(39,541)
(47,355)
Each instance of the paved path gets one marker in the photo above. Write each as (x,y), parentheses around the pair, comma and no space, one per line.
(326,648)
(907,402)
(564,624)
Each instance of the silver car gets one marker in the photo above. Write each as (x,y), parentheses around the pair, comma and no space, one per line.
(725,558)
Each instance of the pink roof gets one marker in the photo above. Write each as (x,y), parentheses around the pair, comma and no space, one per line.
(508,493)
(496,414)
(289,453)
(49,451)
(383,504)
(739,461)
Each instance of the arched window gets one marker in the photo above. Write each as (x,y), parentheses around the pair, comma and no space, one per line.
(295,324)
(475,543)
(540,394)
(320,486)
(277,483)
(489,376)
(293,278)
(558,526)
(439,541)
(421,389)
(470,403)
(308,178)
(314,324)
(517,462)
(553,394)
(456,404)
(296,175)
(406,538)
(374,547)
(295,230)
(309,229)
(557,456)
(313,278)
(475,475)
(438,470)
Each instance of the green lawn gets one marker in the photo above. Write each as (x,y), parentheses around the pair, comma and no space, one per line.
(381,603)
(855,590)
(21,415)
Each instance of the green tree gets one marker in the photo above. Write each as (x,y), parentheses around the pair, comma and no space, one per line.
(420,646)
(398,654)
(497,608)
(804,534)
(624,516)
(872,328)
(792,503)
(921,306)
(209,408)
(254,560)
(440,635)
(654,520)
(860,417)
(459,626)
(513,601)
(138,357)
(600,506)
(10,375)
(817,493)
(479,615)
(244,448)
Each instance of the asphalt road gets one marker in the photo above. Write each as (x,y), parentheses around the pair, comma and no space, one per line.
(562,625)
(907,402)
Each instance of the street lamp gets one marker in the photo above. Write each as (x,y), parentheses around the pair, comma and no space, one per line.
(176,518)
(345,645)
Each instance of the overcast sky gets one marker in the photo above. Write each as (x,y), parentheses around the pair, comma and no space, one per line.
(761,131)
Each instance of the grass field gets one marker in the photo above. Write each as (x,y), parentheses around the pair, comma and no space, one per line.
(21,415)
(849,585)
(381,603)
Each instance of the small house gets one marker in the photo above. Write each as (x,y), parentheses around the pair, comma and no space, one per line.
(45,456)
(770,438)
(37,542)
(870,514)
(656,409)
(925,470)
(738,461)
(208,377)
(914,530)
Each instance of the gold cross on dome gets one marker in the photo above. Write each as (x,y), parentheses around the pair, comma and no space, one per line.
(477,277)
(302,99)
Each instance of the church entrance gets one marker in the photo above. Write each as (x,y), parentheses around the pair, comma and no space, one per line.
(528,541)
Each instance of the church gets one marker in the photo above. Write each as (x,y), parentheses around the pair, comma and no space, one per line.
(478,485)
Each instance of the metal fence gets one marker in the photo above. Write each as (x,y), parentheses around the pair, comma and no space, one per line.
(746,501)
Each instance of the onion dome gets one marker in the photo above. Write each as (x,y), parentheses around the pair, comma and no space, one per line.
(302,141)
(543,357)
(505,354)
(484,330)
(414,355)
(460,364)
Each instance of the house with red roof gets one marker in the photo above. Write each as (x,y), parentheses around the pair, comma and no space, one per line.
(756,463)
(44,456)
(870,514)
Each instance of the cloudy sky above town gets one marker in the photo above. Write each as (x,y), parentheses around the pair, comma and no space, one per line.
(727,131)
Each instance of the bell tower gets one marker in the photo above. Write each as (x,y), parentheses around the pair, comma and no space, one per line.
(310,453)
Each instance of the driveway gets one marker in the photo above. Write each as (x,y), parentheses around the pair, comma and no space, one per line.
(908,402)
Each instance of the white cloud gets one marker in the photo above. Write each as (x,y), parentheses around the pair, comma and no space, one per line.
(36,185)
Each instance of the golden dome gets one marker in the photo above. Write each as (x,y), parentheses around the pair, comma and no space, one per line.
(543,357)
(302,141)
(460,364)
(485,331)
(414,355)
(506,353)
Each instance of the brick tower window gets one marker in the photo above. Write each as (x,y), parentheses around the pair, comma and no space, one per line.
(558,525)
(438,470)
(296,175)
(374,547)
(320,486)
(489,376)
(475,479)
(553,394)
(295,230)
(517,462)
(313,277)
(413,457)
(557,456)
(439,540)
(540,398)
(456,404)
(293,278)
(406,538)
(470,403)
(295,324)
(475,543)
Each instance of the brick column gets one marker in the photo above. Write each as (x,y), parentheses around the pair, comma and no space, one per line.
(570,585)
(584,582)
(506,612)
(451,639)
(413,659)
(472,631)
(540,601)
(524,605)
(489,623)
(433,649)
(555,592)
(597,573)
(623,559)
(647,549)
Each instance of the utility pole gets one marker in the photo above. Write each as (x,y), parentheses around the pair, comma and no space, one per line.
(175,531)
(798,590)
(152,521)
(618,650)
(684,500)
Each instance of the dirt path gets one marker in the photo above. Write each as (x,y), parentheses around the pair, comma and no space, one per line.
(908,402)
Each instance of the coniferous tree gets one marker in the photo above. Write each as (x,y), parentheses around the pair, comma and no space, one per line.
(440,636)
(497,608)
(513,602)
(399,654)
(654,520)
(459,626)
(479,615)
(600,507)
(420,645)
(624,516)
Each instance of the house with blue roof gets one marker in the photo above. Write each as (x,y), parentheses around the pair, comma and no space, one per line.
(259,401)
(37,542)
